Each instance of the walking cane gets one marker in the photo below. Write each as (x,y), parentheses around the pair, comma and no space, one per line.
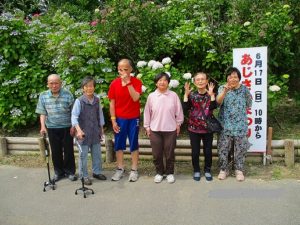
(51,182)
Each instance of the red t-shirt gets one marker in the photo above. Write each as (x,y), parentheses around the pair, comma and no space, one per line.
(125,107)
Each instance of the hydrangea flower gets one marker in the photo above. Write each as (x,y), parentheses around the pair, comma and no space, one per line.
(139,76)
(72,58)
(66,71)
(78,92)
(169,74)
(106,70)
(33,95)
(99,81)
(247,23)
(144,88)
(166,60)
(3,61)
(100,60)
(187,76)
(15,112)
(23,65)
(141,64)
(3,28)
(262,34)
(94,23)
(14,81)
(274,88)
(91,61)
(211,51)
(151,62)
(101,41)
(15,33)
(68,87)
(173,83)
(102,95)
(157,65)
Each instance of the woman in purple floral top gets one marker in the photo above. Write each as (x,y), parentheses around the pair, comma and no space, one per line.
(234,100)
(197,102)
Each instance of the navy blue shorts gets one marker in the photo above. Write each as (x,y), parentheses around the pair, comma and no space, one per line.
(130,128)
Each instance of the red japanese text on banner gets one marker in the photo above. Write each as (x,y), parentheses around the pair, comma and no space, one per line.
(252,62)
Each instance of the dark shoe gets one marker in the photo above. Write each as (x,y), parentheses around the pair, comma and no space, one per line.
(99,176)
(208,176)
(197,176)
(72,177)
(58,177)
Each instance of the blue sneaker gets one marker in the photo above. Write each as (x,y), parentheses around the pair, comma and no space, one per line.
(208,176)
(197,176)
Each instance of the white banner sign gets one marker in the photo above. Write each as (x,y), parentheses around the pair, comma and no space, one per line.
(252,62)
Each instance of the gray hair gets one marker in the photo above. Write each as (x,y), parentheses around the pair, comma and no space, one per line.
(53,76)
(87,80)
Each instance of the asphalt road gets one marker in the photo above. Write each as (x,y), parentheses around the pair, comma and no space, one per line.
(23,202)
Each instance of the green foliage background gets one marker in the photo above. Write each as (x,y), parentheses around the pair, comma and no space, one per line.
(87,37)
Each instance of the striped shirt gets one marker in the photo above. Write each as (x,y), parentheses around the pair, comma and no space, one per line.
(56,109)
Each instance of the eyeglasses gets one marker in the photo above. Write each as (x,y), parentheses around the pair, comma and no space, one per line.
(53,83)
(200,79)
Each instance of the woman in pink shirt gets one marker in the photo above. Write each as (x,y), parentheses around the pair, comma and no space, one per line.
(163,116)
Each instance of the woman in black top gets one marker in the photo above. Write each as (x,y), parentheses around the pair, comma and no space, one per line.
(197,103)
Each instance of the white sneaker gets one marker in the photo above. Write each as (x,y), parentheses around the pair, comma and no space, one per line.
(118,175)
(158,178)
(133,176)
(170,178)
(239,175)
(223,174)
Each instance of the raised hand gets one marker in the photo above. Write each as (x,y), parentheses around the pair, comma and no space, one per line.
(125,79)
(211,87)
(187,89)
(227,87)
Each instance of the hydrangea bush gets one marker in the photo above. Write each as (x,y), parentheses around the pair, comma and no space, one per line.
(31,50)
(74,50)
(197,34)
(21,72)
(277,91)
(148,70)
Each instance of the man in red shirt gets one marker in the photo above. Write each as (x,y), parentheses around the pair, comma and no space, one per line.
(124,94)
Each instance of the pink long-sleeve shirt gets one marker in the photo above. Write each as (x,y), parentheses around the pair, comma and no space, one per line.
(163,111)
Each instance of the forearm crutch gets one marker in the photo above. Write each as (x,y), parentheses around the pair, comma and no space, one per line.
(84,189)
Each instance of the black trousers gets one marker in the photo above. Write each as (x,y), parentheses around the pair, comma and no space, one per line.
(207,140)
(62,150)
